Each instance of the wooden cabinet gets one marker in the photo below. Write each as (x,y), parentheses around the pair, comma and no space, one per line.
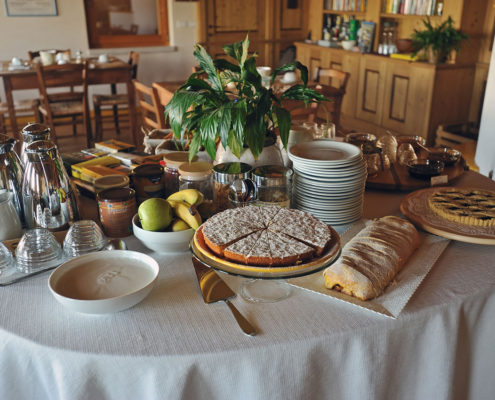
(406,98)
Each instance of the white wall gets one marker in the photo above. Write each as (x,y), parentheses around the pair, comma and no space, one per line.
(485,149)
(68,30)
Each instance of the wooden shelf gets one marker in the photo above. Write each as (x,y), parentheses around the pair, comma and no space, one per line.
(400,16)
(357,13)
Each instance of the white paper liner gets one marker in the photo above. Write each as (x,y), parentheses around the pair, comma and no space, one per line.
(399,291)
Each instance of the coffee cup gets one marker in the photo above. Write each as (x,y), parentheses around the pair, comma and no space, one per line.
(47,57)
(16,61)
(289,77)
(102,58)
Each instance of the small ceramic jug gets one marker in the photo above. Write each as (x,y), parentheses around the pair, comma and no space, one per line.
(11,226)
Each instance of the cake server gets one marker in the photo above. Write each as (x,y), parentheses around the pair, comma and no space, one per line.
(215,289)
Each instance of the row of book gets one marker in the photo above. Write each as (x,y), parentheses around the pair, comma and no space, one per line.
(346,5)
(111,157)
(413,7)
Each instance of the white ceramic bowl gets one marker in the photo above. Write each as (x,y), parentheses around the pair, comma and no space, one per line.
(348,44)
(162,242)
(104,282)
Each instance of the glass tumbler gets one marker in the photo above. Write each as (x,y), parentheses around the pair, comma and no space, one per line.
(6,259)
(38,249)
(83,237)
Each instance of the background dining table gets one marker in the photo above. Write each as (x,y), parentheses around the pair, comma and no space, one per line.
(112,72)
(309,346)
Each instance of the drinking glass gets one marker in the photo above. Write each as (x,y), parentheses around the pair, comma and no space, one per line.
(10,227)
(324,131)
(83,237)
(38,249)
(6,259)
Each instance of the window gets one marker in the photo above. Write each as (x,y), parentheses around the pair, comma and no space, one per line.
(126,23)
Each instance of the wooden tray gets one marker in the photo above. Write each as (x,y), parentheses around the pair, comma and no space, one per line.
(415,207)
(398,178)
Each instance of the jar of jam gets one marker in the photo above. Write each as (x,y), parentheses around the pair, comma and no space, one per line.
(149,181)
(172,162)
(274,184)
(199,175)
(224,174)
(116,207)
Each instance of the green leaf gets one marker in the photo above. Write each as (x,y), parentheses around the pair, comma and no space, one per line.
(211,148)
(194,147)
(225,119)
(178,106)
(234,145)
(283,122)
(223,65)
(234,50)
(245,51)
(239,121)
(206,63)
(253,137)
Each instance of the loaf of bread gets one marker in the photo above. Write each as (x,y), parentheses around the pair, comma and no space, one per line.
(372,258)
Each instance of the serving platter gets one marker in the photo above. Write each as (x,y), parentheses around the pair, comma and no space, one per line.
(415,207)
(398,178)
(201,251)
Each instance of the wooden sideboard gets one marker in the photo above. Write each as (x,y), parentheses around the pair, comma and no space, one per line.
(406,98)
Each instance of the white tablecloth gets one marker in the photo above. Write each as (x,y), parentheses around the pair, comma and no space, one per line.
(173,346)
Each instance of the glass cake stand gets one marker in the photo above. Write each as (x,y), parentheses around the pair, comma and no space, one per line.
(266,284)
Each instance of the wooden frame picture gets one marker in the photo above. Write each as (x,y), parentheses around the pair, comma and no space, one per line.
(31,8)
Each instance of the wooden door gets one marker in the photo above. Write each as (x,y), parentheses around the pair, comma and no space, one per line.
(372,71)
(273,25)
(228,21)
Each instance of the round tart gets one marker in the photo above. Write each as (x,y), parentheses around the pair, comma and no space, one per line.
(467,206)
(268,236)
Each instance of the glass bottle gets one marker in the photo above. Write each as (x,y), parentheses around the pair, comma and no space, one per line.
(199,175)
(172,162)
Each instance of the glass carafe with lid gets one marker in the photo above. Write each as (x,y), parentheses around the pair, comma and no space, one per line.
(49,199)
(11,173)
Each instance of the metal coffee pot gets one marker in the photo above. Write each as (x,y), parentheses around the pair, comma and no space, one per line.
(11,173)
(31,133)
(49,199)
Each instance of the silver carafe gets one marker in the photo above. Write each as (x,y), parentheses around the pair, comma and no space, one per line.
(31,133)
(11,173)
(49,198)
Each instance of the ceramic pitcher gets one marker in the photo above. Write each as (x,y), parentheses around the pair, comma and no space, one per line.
(49,199)
(11,173)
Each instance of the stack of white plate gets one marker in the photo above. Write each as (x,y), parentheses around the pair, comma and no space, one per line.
(329,180)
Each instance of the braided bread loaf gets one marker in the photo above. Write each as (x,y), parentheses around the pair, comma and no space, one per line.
(372,258)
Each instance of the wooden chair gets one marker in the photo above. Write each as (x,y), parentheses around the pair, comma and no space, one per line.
(59,108)
(151,109)
(332,83)
(113,101)
(29,106)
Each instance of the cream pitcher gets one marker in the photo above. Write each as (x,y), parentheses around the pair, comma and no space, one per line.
(11,173)
(48,197)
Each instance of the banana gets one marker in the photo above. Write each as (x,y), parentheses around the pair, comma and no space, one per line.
(186,212)
(191,196)
(179,225)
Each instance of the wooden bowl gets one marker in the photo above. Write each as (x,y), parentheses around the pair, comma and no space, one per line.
(404,45)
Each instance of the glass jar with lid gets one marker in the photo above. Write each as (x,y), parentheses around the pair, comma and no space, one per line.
(172,162)
(224,174)
(199,175)
(274,185)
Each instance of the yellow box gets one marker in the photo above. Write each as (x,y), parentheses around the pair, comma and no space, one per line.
(106,160)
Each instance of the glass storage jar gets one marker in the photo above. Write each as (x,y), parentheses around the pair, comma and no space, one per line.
(172,162)
(224,174)
(274,185)
(199,175)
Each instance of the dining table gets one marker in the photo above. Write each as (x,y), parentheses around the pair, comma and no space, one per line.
(309,346)
(111,72)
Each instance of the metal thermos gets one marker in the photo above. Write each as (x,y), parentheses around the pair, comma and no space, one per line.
(49,199)
(11,173)
(31,133)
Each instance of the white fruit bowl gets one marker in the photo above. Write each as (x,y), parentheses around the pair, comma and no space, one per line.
(104,282)
(162,242)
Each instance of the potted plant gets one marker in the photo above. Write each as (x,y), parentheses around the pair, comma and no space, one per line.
(231,106)
(438,41)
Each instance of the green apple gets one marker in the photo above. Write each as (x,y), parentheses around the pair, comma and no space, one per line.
(155,214)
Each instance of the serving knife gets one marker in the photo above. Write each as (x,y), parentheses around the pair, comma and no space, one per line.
(215,289)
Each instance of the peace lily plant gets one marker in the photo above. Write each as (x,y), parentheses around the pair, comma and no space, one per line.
(227,102)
